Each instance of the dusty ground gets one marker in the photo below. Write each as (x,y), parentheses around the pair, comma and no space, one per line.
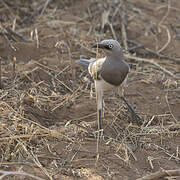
(47,116)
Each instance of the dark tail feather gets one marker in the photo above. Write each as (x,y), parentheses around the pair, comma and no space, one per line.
(83,62)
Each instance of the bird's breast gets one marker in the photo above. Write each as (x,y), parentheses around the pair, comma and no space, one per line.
(114,72)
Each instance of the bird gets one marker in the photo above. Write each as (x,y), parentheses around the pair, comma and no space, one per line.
(108,72)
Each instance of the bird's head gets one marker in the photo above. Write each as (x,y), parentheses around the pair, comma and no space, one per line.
(110,47)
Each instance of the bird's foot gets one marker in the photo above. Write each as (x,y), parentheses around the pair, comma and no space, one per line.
(99,134)
(134,114)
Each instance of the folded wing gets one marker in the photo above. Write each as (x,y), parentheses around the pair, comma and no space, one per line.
(93,65)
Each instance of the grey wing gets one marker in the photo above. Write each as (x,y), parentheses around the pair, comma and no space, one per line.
(85,62)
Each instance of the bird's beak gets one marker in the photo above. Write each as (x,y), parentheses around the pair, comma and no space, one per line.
(99,45)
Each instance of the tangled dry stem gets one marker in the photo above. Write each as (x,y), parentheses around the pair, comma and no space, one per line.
(21,136)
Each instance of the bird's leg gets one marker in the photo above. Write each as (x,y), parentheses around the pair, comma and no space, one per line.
(99,119)
(99,108)
(103,105)
(134,114)
(99,100)
(99,113)
(123,85)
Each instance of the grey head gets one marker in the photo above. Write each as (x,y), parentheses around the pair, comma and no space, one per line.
(111,47)
(114,69)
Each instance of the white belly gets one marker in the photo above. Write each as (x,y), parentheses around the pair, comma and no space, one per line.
(102,85)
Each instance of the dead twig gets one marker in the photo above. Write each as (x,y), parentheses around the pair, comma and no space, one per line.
(58,45)
(161,174)
(168,41)
(10,173)
(45,6)
(123,28)
(166,97)
(105,20)
(8,41)
(167,13)
(14,24)
(112,30)
(151,61)
(37,37)
(55,77)
(138,45)
(35,159)
(14,33)
(24,136)
(166,152)
(10,10)
(14,67)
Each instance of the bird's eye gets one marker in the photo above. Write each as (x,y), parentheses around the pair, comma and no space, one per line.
(110,46)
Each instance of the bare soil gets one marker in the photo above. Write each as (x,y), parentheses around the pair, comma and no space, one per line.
(48,120)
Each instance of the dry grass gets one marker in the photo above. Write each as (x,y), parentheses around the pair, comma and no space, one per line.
(25,138)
